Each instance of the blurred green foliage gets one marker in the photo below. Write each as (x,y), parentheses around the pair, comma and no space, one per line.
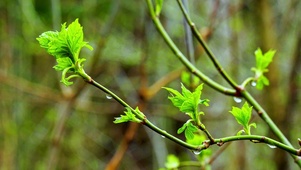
(44,125)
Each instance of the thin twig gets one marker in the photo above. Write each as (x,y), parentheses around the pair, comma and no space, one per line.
(205,144)
(206,48)
(182,57)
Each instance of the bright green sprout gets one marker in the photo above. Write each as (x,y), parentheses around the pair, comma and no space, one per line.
(243,117)
(129,116)
(65,46)
(188,102)
(262,62)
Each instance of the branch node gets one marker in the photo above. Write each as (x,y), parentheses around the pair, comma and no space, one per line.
(238,90)
(206,143)
(298,158)
(299,153)
(260,112)
(220,143)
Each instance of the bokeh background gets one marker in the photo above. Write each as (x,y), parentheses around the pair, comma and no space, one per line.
(45,125)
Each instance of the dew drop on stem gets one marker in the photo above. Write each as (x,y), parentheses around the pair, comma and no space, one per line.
(197,152)
(272,146)
(253,83)
(108,96)
(162,136)
(237,99)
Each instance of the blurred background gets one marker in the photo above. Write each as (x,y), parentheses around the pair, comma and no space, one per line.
(45,125)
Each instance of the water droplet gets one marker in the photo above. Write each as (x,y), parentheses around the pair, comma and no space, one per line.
(162,136)
(197,152)
(272,146)
(237,99)
(253,83)
(108,97)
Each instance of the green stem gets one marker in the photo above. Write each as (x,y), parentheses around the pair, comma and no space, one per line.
(247,81)
(205,144)
(261,139)
(182,58)
(206,48)
(212,83)
(262,113)
(171,137)
(145,121)
(203,128)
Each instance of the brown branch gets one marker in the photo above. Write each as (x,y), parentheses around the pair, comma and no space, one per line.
(29,87)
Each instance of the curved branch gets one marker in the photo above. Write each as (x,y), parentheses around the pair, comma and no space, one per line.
(206,48)
(205,144)
(183,59)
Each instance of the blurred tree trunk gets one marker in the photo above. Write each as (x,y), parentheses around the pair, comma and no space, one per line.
(292,92)
(240,157)
(268,40)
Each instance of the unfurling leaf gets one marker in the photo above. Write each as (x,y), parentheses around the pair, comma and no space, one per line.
(262,62)
(243,117)
(189,129)
(188,101)
(128,117)
(65,47)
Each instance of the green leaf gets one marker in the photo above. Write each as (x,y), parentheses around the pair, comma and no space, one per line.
(243,116)
(63,63)
(159,4)
(197,140)
(188,101)
(261,82)
(189,129)
(262,62)
(172,162)
(128,117)
(46,38)
(64,80)
(65,46)
(66,43)
(240,132)
(181,129)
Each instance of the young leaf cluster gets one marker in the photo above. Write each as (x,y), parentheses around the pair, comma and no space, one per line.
(189,129)
(243,116)
(129,116)
(188,103)
(262,62)
(172,162)
(65,46)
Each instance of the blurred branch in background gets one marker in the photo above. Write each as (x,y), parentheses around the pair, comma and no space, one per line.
(43,124)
